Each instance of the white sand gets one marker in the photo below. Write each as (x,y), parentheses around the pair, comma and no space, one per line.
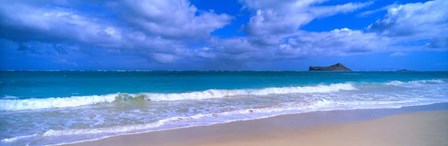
(411,129)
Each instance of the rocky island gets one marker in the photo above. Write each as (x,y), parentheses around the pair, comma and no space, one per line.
(335,67)
(403,70)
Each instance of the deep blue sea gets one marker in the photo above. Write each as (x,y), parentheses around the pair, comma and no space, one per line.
(55,107)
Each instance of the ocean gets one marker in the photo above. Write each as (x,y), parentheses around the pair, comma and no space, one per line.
(57,107)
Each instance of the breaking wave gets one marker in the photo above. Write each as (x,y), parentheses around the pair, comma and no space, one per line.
(236,115)
(58,102)
(415,83)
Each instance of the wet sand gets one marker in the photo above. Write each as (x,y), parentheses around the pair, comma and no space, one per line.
(344,128)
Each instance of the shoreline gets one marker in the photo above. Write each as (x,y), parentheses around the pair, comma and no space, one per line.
(275,128)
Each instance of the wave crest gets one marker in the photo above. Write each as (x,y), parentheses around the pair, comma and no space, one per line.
(415,83)
(25,104)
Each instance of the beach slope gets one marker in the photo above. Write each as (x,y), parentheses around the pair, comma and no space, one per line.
(410,129)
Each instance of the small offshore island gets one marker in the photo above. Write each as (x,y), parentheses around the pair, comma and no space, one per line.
(223,73)
(335,67)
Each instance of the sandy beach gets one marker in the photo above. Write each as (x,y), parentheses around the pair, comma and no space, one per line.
(224,73)
(322,128)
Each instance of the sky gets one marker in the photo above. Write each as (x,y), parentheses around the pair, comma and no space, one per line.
(257,35)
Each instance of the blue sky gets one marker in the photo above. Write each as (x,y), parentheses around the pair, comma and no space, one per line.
(223,35)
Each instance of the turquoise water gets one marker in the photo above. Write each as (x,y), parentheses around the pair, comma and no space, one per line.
(44,107)
(63,84)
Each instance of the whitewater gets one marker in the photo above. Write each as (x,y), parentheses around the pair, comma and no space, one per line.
(34,111)
(36,103)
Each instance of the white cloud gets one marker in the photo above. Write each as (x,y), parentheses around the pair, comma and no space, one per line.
(273,30)
(51,23)
(173,18)
(323,11)
(416,22)
(300,45)
(175,31)
(370,12)
(274,35)
(163,58)
(398,54)
(274,17)
(158,30)
(28,22)
(337,42)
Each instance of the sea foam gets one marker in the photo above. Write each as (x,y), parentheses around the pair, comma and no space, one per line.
(415,82)
(60,102)
(230,116)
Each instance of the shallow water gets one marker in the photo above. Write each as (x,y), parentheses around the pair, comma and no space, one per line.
(39,108)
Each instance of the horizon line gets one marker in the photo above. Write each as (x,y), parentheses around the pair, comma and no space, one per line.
(87,70)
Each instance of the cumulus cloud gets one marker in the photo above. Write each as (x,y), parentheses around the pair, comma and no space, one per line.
(173,18)
(398,54)
(336,42)
(273,32)
(37,22)
(164,58)
(300,45)
(416,22)
(177,32)
(274,29)
(157,30)
(285,17)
